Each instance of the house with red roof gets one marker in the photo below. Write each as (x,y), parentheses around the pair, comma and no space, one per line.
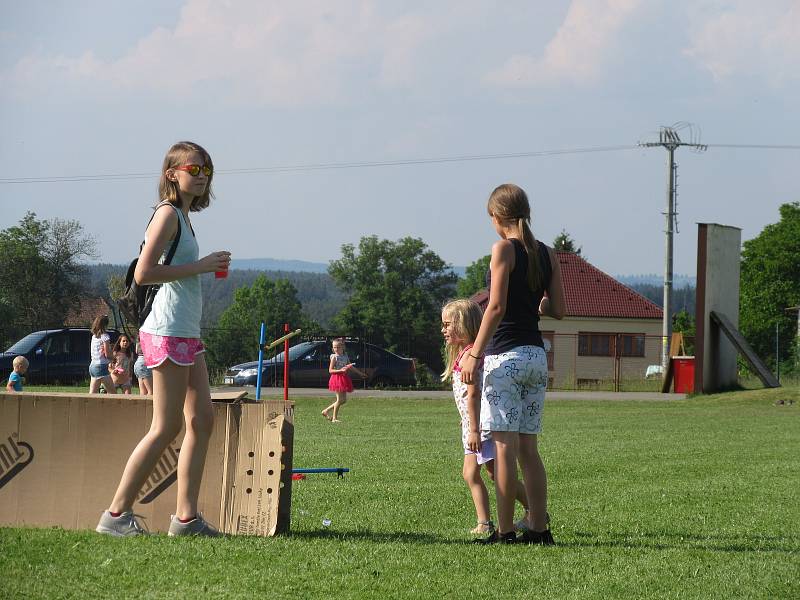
(86,311)
(609,331)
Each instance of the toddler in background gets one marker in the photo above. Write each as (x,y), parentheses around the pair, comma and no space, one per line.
(20,365)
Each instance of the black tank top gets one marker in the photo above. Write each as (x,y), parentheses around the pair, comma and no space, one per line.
(520,324)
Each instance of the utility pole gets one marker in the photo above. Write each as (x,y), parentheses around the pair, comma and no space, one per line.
(668,138)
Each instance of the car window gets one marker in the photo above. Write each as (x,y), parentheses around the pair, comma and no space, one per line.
(353,351)
(318,354)
(322,353)
(371,357)
(294,351)
(56,344)
(27,343)
(79,341)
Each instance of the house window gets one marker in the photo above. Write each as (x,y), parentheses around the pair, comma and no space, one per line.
(631,344)
(595,344)
(605,344)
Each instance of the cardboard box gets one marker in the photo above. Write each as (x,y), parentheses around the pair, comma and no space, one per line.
(62,455)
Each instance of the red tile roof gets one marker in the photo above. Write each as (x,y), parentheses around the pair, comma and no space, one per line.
(591,293)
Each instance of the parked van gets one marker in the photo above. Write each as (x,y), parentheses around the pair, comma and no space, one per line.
(55,355)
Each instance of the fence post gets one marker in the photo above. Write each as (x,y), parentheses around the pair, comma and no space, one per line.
(617,359)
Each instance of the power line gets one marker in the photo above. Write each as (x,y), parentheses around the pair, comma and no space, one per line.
(325,166)
(755,146)
(371,164)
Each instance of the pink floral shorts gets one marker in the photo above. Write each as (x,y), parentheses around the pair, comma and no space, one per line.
(158,348)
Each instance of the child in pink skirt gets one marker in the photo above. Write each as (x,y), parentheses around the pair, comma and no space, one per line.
(340,382)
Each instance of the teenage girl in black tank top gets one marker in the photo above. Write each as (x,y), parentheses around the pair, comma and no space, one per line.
(525,282)
(520,323)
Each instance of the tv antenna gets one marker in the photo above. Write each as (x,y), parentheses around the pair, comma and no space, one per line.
(668,138)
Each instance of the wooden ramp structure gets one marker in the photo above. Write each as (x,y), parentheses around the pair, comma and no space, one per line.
(761,370)
(676,348)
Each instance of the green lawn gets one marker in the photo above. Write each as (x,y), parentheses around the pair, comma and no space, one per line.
(675,499)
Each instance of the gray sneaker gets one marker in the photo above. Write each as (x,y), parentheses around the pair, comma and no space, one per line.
(121,526)
(522,524)
(196,526)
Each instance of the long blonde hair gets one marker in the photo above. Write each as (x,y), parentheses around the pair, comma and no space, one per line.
(508,203)
(465,316)
(176,157)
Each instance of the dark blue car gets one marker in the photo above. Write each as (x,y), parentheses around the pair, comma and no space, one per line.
(309,362)
(55,355)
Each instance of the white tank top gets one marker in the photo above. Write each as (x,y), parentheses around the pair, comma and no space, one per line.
(178,305)
(94,347)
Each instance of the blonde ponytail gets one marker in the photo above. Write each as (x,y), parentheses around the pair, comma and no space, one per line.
(532,246)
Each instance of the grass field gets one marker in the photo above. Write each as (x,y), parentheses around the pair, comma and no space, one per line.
(677,499)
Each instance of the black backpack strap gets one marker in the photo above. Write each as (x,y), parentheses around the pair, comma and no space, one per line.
(174,245)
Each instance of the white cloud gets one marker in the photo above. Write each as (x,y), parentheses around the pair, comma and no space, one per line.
(747,38)
(402,40)
(579,50)
(273,53)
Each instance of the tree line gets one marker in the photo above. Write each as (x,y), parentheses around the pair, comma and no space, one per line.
(389,292)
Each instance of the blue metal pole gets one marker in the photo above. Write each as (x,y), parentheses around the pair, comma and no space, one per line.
(260,360)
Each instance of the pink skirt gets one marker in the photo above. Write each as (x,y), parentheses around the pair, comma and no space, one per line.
(340,382)
(158,348)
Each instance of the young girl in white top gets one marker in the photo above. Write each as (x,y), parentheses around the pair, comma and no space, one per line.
(100,349)
(461,320)
(170,340)
(340,382)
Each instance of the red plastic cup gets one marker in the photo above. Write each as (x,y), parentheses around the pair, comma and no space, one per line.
(221,274)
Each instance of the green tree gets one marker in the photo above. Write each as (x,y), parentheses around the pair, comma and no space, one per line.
(565,243)
(683,322)
(41,278)
(235,337)
(397,291)
(770,283)
(474,279)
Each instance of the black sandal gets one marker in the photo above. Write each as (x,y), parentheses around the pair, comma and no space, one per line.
(498,538)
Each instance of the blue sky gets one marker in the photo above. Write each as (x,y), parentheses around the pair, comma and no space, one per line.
(104,88)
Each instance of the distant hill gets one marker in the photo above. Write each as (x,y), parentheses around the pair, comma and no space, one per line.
(678,281)
(277,264)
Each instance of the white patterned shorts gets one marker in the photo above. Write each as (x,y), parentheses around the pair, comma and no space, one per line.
(514,383)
